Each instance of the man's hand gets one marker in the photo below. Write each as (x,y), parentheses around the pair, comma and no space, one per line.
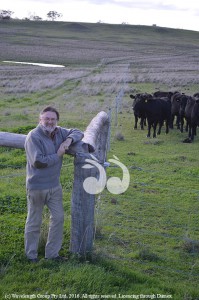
(64,146)
(61,150)
(67,143)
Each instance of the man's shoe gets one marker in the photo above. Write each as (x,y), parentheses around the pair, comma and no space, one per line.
(33,260)
(59,258)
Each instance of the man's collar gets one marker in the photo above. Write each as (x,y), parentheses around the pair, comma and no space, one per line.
(52,134)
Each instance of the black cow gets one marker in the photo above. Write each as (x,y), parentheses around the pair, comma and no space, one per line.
(196,95)
(175,104)
(156,111)
(162,94)
(192,118)
(175,109)
(138,115)
(188,111)
(182,116)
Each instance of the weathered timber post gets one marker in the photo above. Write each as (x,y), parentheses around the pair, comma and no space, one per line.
(13,140)
(83,203)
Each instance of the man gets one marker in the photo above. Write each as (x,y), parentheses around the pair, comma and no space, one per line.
(45,146)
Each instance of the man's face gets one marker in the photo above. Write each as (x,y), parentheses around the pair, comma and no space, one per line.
(49,120)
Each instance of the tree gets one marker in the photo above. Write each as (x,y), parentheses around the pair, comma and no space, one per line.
(35,18)
(5,14)
(53,15)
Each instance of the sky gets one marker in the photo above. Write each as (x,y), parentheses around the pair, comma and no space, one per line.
(178,14)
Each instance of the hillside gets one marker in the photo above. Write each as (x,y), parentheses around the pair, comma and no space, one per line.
(87,43)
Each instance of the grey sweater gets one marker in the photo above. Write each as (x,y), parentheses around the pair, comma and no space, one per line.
(43,164)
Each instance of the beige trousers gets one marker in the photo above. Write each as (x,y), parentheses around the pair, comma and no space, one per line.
(36,200)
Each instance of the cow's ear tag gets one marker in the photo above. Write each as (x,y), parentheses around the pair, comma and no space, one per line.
(146,101)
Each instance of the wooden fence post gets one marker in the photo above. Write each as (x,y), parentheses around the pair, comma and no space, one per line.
(83,203)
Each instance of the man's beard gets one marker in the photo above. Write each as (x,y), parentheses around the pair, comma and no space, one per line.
(49,129)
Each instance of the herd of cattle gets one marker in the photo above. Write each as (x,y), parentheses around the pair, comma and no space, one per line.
(161,108)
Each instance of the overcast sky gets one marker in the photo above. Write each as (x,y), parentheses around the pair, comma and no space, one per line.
(169,13)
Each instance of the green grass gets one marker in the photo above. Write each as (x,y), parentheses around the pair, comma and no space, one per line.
(146,239)
(144,242)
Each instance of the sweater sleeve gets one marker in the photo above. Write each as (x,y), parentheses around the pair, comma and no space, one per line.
(36,154)
(75,134)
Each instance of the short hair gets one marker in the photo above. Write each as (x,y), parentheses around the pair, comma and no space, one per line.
(50,108)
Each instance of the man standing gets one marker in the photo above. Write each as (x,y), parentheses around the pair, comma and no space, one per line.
(45,146)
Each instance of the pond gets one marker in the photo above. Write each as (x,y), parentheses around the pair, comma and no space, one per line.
(35,64)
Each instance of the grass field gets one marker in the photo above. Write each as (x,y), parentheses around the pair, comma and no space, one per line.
(146,244)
